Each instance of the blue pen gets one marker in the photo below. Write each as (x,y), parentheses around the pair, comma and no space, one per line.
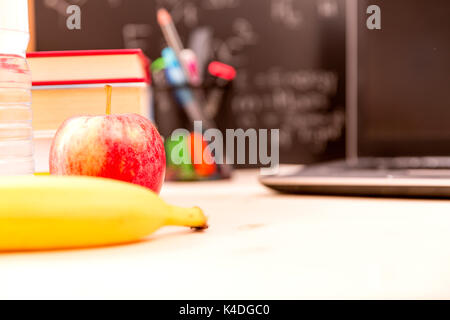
(176,77)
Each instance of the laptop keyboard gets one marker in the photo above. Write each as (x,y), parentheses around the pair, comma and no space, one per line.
(432,167)
(401,163)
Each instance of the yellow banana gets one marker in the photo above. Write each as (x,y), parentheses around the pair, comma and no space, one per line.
(54,212)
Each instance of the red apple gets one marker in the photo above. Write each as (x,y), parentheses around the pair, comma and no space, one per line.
(124,147)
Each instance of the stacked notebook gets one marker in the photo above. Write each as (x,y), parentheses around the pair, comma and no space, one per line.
(70,83)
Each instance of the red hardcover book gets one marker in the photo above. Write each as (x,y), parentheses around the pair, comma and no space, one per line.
(88,67)
(70,83)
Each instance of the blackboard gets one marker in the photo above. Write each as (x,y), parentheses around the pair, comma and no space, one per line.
(289,54)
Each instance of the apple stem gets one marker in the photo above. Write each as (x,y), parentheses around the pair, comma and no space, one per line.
(108,89)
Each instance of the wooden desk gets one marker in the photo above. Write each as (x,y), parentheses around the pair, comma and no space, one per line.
(260,245)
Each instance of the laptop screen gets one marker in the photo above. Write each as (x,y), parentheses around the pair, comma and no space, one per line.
(403,77)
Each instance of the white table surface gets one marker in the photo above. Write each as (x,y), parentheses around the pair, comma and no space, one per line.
(260,244)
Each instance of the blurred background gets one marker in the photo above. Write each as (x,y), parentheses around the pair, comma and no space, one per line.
(289,56)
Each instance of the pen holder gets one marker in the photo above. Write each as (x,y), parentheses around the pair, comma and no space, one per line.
(187,155)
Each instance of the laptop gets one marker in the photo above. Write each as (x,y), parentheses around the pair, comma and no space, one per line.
(397,106)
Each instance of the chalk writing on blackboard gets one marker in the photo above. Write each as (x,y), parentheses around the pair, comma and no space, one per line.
(284,12)
(185,12)
(328,8)
(60,6)
(230,49)
(220,4)
(296,101)
(136,35)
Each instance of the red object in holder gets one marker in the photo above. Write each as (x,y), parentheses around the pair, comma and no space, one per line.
(222,70)
(199,149)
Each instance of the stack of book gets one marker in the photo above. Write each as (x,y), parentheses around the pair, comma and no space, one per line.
(70,83)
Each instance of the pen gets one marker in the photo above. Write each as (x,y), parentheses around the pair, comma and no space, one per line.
(172,38)
(200,42)
(169,31)
(190,61)
(175,76)
(223,74)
